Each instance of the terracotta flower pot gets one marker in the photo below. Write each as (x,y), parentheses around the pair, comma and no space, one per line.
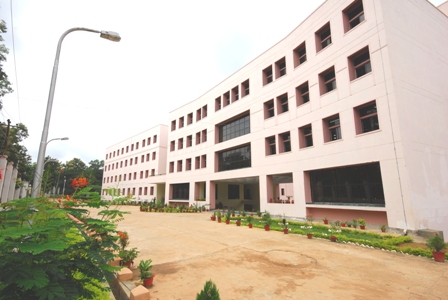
(383,229)
(227,221)
(219,220)
(343,224)
(325,221)
(213,218)
(238,223)
(127,264)
(250,225)
(333,238)
(439,256)
(286,231)
(148,281)
(309,235)
(267,227)
(362,227)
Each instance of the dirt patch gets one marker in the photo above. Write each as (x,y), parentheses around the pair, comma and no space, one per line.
(414,245)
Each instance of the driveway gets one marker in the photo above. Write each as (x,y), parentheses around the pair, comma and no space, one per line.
(188,249)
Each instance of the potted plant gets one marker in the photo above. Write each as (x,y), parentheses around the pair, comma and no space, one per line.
(437,245)
(145,272)
(343,224)
(334,230)
(383,228)
(354,223)
(259,213)
(362,224)
(213,217)
(210,292)
(284,225)
(267,221)
(325,219)
(128,256)
(250,219)
(233,212)
(228,213)
(348,223)
(219,216)
(238,221)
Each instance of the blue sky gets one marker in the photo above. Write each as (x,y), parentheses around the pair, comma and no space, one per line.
(171,53)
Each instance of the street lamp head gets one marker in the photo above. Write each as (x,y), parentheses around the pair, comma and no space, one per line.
(64,138)
(110,35)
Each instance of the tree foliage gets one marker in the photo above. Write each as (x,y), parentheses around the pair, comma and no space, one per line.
(5,85)
(44,256)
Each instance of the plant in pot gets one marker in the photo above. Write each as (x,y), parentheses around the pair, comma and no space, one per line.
(325,219)
(259,213)
(354,223)
(250,219)
(383,228)
(348,223)
(210,292)
(343,224)
(267,221)
(335,228)
(228,213)
(145,272)
(128,256)
(213,217)
(238,221)
(233,212)
(219,216)
(284,225)
(362,224)
(437,245)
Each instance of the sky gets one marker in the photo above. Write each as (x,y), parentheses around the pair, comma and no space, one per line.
(171,53)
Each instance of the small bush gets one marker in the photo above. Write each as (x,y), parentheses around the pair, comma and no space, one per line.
(210,292)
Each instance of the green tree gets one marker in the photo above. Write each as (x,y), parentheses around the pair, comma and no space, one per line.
(5,85)
(94,174)
(51,176)
(72,169)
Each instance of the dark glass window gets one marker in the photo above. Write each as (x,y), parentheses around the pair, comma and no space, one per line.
(235,159)
(234,128)
(181,191)
(234,191)
(369,118)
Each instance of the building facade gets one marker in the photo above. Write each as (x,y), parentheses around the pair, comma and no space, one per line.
(344,118)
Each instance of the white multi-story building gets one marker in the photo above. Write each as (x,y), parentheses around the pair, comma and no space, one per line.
(346,117)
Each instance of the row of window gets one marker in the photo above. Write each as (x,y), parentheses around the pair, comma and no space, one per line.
(142,191)
(366,120)
(132,176)
(200,114)
(200,162)
(145,142)
(124,163)
(200,137)
(353,15)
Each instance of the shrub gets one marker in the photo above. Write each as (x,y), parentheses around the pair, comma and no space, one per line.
(210,292)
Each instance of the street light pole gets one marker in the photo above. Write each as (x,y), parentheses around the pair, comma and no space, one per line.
(110,35)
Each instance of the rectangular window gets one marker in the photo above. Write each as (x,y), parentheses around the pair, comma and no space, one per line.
(189,141)
(171,166)
(151,190)
(122,150)
(226,99)
(282,103)
(302,94)
(181,122)
(197,162)
(198,115)
(147,156)
(270,146)
(217,103)
(173,125)
(153,172)
(359,63)
(172,146)
(198,138)
(136,146)
(280,68)
(323,37)
(233,191)
(179,166)
(267,75)
(146,173)
(327,81)
(136,160)
(234,159)
(143,143)
(299,55)
(142,159)
(203,161)
(124,177)
(141,174)
(131,161)
(121,164)
(204,136)
(154,155)
(245,90)
(190,118)
(180,143)
(204,111)
(145,193)
(235,94)
(139,191)
(127,149)
(181,191)
(149,141)
(305,136)
(353,15)
(132,147)
(234,128)
(366,118)
(126,163)
(135,175)
(285,142)
(154,139)
(332,128)
(188,164)
(269,109)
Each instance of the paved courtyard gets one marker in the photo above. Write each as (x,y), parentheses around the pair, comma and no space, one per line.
(189,249)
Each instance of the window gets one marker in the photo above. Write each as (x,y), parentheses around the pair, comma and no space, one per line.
(126,163)
(233,191)
(226,99)
(188,164)
(299,55)
(142,159)
(145,191)
(204,111)
(332,128)
(217,103)
(204,161)
(359,64)
(154,139)
(353,15)
(302,94)
(181,122)
(151,189)
(149,141)
(153,172)
(180,143)
(285,142)
(146,173)
(135,175)
(127,149)
(173,125)
(190,118)
(235,94)
(234,128)
(270,146)
(141,174)
(361,185)
(124,177)
(122,150)
(198,138)
(189,141)
(327,81)
(267,75)
(171,166)
(179,166)
(106,155)
(269,109)
(131,161)
(136,160)
(305,136)
(172,146)
(233,159)
(204,136)
(323,37)
(147,156)
(154,155)
(282,103)
(132,147)
(121,164)
(197,162)
(245,90)
(136,146)
(181,191)
(198,115)
(280,68)
(366,118)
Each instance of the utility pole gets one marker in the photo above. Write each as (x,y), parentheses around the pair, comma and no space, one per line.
(7,136)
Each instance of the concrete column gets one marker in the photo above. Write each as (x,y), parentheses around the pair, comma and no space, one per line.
(24,190)
(3,162)
(18,189)
(6,182)
(12,184)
